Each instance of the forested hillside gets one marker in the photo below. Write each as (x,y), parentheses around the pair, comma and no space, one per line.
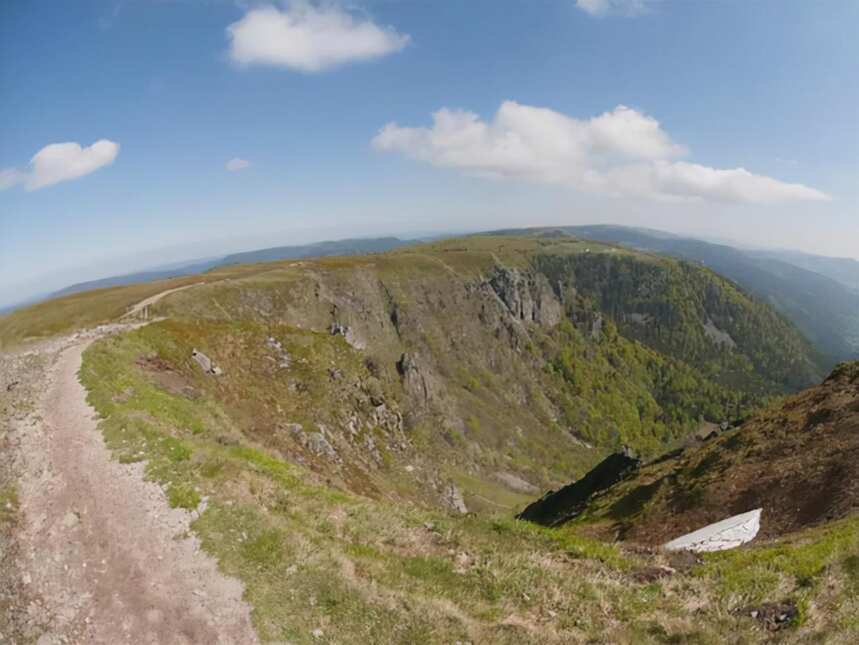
(814,293)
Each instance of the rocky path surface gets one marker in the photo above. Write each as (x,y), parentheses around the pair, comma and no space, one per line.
(99,555)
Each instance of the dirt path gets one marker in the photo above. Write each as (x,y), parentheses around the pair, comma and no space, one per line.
(102,558)
(139,308)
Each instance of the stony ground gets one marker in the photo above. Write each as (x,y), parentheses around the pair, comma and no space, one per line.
(92,553)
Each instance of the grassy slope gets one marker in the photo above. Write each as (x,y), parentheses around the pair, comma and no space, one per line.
(81,310)
(364,570)
(77,311)
(796,460)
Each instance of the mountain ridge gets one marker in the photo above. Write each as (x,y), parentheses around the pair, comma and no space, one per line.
(825,310)
(465,343)
(347,246)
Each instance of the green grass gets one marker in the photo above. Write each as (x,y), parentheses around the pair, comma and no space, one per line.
(181,496)
(369,570)
(792,565)
(851,569)
(76,311)
(481,493)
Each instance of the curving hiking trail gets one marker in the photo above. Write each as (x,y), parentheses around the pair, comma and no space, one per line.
(141,306)
(102,556)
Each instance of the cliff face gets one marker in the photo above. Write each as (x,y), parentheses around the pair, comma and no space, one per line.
(473,363)
(798,461)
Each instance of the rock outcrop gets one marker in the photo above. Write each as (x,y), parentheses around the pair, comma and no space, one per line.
(527,295)
(206,363)
(557,507)
(417,380)
(452,498)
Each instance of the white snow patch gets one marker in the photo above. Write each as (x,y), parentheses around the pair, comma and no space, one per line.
(727,534)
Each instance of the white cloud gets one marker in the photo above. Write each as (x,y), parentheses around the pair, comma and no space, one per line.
(615,7)
(11,177)
(236,164)
(309,38)
(621,152)
(59,162)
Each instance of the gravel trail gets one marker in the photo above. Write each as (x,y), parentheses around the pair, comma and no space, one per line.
(101,556)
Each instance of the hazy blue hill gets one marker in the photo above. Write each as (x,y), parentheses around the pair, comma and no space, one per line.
(140,276)
(843,270)
(319,249)
(193,267)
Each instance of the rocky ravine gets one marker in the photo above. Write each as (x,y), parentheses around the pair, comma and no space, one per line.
(99,556)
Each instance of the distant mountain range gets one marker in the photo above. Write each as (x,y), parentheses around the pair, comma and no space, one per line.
(356,246)
(843,270)
(820,295)
(317,249)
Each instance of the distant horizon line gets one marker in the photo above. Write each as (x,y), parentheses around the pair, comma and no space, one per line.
(9,306)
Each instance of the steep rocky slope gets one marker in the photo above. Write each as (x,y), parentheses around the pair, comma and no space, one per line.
(799,461)
(484,367)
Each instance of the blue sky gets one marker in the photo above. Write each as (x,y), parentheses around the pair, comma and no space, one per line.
(530,130)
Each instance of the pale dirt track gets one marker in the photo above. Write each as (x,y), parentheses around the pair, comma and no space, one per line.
(143,304)
(102,558)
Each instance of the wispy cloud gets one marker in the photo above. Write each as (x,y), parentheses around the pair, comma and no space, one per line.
(11,177)
(622,152)
(236,164)
(107,20)
(309,38)
(627,8)
(60,162)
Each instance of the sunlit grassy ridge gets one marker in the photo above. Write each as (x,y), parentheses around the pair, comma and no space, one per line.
(89,308)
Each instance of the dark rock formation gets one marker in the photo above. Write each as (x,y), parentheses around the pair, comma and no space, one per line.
(528,296)
(557,507)
(414,378)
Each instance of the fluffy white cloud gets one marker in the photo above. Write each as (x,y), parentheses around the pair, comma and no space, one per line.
(615,7)
(309,38)
(236,164)
(621,152)
(61,162)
